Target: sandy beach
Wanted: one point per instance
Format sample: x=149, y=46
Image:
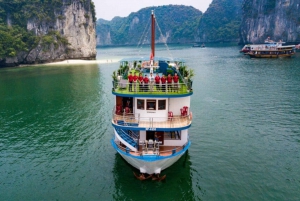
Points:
x=78, y=62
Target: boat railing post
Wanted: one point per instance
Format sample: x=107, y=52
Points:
x=152, y=122
x=173, y=151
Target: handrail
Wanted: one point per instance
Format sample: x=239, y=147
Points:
x=123, y=86
x=134, y=120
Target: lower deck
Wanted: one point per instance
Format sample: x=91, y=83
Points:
x=175, y=121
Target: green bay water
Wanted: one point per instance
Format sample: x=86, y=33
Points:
x=55, y=131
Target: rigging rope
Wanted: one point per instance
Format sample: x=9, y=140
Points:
x=143, y=37
x=164, y=39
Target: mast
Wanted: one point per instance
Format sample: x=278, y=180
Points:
x=152, y=34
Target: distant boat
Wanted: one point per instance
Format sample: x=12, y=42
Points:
x=198, y=45
x=297, y=47
x=269, y=49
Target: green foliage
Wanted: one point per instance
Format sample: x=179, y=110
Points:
x=93, y=10
x=221, y=21
x=181, y=21
x=53, y=37
x=15, y=39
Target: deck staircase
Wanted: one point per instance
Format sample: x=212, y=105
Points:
x=129, y=139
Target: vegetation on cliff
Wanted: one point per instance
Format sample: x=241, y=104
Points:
x=178, y=23
x=221, y=21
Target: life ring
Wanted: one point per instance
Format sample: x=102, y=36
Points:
x=191, y=116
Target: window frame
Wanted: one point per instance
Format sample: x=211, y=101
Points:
x=151, y=101
x=143, y=104
x=165, y=104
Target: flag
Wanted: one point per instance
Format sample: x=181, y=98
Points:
x=151, y=56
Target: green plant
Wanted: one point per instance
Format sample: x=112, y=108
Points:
x=114, y=76
x=191, y=73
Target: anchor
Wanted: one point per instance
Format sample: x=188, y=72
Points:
x=156, y=177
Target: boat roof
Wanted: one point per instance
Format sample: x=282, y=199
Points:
x=155, y=59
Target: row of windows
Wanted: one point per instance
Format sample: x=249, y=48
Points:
x=151, y=104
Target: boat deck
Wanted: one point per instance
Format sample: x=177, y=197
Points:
x=163, y=150
x=131, y=121
x=122, y=87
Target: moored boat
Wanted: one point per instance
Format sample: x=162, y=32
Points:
x=152, y=112
x=271, y=49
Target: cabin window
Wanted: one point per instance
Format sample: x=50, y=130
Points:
x=172, y=135
x=161, y=104
x=140, y=104
x=151, y=104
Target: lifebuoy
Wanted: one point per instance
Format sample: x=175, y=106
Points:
x=191, y=116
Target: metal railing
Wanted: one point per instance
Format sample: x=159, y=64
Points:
x=134, y=120
x=123, y=86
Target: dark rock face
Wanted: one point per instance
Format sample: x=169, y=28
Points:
x=277, y=19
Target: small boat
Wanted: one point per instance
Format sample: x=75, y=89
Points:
x=151, y=118
x=198, y=45
x=297, y=47
x=271, y=49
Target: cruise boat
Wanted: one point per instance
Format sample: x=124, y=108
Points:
x=271, y=49
x=151, y=119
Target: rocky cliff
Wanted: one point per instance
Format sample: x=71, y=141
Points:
x=69, y=33
x=277, y=19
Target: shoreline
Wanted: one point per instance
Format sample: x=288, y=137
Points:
x=79, y=61
x=67, y=62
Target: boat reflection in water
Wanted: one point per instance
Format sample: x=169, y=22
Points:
x=177, y=186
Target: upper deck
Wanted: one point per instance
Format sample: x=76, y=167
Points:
x=162, y=67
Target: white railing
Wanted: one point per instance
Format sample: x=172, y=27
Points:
x=123, y=86
x=151, y=123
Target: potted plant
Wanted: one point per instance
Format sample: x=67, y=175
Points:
x=115, y=79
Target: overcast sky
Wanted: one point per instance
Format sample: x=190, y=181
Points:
x=107, y=9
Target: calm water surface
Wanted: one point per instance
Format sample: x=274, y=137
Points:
x=55, y=131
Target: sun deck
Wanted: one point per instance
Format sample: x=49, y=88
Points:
x=122, y=88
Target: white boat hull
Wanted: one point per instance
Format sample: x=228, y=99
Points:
x=151, y=167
